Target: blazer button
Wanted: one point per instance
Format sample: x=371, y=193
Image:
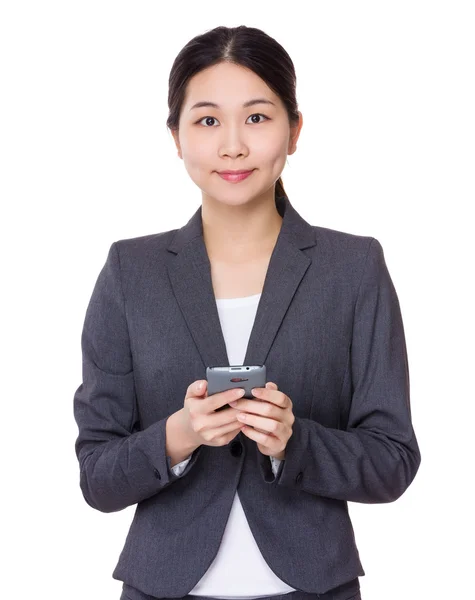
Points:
x=157, y=473
x=236, y=448
x=298, y=479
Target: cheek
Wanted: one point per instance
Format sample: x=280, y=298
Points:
x=198, y=164
x=274, y=160
x=192, y=160
x=271, y=151
x=196, y=157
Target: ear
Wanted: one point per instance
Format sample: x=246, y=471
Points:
x=294, y=134
x=177, y=141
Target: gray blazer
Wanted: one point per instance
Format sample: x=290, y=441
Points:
x=329, y=330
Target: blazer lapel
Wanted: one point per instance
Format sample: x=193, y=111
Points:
x=189, y=271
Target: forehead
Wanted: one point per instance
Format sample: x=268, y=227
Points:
x=229, y=86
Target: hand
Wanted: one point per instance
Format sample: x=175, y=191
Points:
x=201, y=424
x=273, y=414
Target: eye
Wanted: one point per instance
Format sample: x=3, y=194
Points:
x=214, y=119
x=258, y=115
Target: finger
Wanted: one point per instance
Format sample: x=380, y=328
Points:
x=270, y=395
x=269, y=426
x=257, y=407
x=197, y=388
x=261, y=437
x=227, y=428
x=221, y=400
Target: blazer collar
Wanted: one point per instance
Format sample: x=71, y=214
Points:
x=190, y=275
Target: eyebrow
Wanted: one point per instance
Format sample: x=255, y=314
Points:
x=245, y=105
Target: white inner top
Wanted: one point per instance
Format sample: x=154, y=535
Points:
x=239, y=566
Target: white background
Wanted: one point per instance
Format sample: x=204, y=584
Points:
x=387, y=150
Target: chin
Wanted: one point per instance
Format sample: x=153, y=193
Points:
x=231, y=198
x=228, y=200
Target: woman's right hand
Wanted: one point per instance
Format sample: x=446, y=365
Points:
x=201, y=423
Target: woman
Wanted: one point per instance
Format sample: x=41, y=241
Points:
x=250, y=501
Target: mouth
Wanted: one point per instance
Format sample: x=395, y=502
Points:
x=234, y=176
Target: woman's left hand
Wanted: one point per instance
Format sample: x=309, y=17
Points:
x=269, y=420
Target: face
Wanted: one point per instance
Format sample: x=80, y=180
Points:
x=233, y=136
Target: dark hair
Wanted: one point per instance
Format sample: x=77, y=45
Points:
x=245, y=46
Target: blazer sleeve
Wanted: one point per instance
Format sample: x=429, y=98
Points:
x=179, y=468
x=376, y=457
x=119, y=463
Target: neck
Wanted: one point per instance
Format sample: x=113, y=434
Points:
x=238, y=233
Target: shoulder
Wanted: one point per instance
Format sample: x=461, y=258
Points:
x=349, y=256
x=152, y=240
x=144, y=245
x=344, y=244
x=136, y=258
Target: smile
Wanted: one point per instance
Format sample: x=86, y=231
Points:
x=234, y=178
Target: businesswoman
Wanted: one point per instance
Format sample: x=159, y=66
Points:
x=249, y=501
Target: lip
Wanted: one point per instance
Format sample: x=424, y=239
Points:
x=234, y=176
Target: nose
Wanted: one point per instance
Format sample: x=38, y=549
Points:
x=232, y=142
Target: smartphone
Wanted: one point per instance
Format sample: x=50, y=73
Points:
x=221, y=379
